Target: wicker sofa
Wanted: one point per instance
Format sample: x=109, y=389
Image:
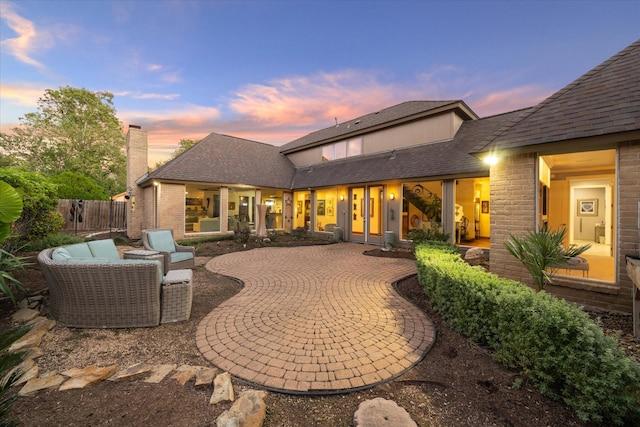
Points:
x=90, y=286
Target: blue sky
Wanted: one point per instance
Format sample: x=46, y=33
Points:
x=273, y=71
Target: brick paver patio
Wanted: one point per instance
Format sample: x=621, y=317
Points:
x=317, y=319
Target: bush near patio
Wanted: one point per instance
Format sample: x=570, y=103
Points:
x=557, y=346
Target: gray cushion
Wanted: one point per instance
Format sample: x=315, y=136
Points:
x=104, y=249
x=181, y=256
x=60, y=254
x=161, y=241
x=79, y=250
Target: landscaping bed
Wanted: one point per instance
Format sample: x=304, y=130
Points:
x=458, y=383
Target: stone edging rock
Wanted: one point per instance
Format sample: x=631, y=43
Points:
x=248, y=410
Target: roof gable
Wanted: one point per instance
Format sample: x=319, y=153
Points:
x=605, y=100
x=404, y=112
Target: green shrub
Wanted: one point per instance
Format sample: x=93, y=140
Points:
x=299, y=233
x=52, y=240
x=195, y=241
x=120, y=241
x=559, y=348
x=39, y=217
x=74, y=185
x=242, y=232
x=432, y=233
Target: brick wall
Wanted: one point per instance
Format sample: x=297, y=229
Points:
x=628, y=215
x=512, y=209
x=136, y=167
x=171, y=208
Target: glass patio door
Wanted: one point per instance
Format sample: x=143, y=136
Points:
x=358, y=215
x=375, y=220
x=366, y=214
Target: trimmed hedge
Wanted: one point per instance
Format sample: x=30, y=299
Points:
x=559, y=348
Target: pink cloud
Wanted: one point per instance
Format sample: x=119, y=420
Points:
x=508, y=100
x=313, y=101
x=165, y=129
x=26, y=40
x=25, y=94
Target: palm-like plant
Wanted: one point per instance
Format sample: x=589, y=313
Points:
x=542, y=253
x=9, y=372
x=10, y=210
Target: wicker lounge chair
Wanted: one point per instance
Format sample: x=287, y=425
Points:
x=175, y=256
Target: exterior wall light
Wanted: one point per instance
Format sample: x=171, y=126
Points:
x=491, y=159
x=392, y=196
x=342, y=197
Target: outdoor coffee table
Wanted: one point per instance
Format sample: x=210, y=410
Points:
x=144, y=254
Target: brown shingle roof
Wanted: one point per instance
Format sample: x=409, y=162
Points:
x=402, y=112
x=439, y=160
x=605, y=100
x=229, y=160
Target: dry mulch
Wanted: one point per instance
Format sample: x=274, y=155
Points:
x=457, y=383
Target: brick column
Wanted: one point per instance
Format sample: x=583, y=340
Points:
x=628, y=238
x=512, y=210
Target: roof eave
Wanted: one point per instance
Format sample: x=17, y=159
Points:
x=590, y=143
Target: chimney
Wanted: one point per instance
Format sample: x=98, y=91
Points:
x=137, y=161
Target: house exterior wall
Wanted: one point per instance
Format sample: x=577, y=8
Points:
x=170, y=202
x=432, y=129
x=512, y=210
x=628, y=212
x=307, y=157
x=148, y=212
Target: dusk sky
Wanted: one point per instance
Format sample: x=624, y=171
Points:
x=273, y=71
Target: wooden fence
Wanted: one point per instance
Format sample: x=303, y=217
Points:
x=93, y=215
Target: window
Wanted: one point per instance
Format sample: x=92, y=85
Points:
x=421, y=205
x=327, y=153
x=577, y=193
x=340, y=150
x=354, y=147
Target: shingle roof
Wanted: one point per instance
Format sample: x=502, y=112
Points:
x=444, y=159
x=605, y=100
x=229, y=160
x=404, y=112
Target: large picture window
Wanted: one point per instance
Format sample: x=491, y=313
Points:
x=421, y=205
x=340, y=150
x=580, y=188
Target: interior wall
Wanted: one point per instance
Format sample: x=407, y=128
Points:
x=584, y=225
x=564, y=195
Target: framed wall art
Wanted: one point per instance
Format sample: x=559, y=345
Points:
x=588, y=207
